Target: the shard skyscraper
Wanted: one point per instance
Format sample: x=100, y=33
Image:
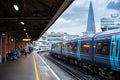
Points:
x=90, y=22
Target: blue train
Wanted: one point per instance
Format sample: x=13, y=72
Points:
x=99, y=52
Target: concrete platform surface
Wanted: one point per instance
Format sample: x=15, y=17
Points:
x=24, y=69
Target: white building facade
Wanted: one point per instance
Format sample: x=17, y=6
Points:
x=43, y=43
x=110, y=23
x=60, y=36
x=46, y=40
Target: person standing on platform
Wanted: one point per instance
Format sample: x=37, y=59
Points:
x=26, y=51
x=30, y=49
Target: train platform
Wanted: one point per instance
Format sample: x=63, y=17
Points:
x=30, y=67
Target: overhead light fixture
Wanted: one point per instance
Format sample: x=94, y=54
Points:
x=22, y=23
x=16, y=7
x=25, y=39
x=24, y=29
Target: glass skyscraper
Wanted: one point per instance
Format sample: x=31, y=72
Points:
x=90, y=22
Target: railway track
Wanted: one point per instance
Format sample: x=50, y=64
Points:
x=74, y=71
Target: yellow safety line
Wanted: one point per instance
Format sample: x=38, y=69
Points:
x=35, y=68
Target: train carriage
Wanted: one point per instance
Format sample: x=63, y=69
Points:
x=72, y=50
x=107, y=50
x=56, y=49
x=86, y=49
x=102, y=50
x=99, y=52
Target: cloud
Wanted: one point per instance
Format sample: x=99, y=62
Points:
x=74, y=19
x=114, y=5
x=70, y=26
x=76, y=10
x=74, y=13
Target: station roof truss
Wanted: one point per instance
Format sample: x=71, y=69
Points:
x=35, y=16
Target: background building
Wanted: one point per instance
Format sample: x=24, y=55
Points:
x=110, y=23
x=56, y=37
x=45, y=42
x=60, y=36
x=90, y=22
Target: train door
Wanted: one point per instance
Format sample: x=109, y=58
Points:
x=117, y=57
x=64, y=44
x=78, y=49
x=114, y=52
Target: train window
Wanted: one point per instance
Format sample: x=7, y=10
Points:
x=58, y=46
x=85, y=47
x=55, y=46
x=98, y=48
x=69, y=48
x=102, y=48
x=72, y=47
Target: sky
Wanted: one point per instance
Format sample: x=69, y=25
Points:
x=74, y=19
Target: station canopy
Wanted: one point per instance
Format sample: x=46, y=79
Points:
x=29, y=18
